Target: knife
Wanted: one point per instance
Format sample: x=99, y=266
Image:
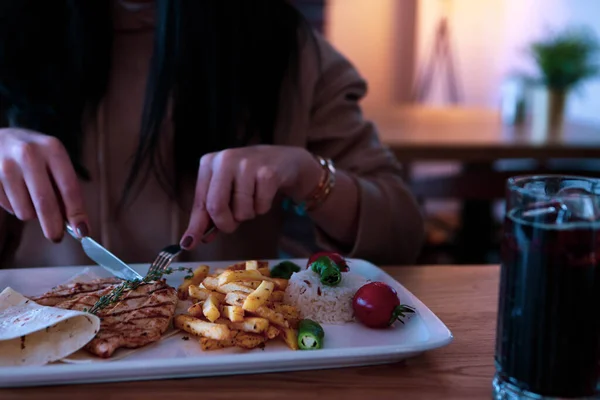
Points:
x=104, y=258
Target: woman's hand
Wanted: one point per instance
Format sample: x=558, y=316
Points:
x=236, y=185
x=37, y=180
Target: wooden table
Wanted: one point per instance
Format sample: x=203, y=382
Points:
x=419, y=133
x=465, y=298
x=476, y=138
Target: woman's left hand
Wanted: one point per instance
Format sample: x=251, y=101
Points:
x=236, y=185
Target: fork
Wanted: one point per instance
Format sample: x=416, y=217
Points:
x=166, y=255
x=164, y=259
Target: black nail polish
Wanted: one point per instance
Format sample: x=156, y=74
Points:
x=187, y=242
x=82, y=229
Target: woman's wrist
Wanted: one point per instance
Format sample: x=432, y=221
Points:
x=308, y=177
x=315, y=182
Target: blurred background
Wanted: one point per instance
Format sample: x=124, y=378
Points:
x=469, y=92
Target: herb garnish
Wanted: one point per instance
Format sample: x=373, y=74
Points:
x=115, y=295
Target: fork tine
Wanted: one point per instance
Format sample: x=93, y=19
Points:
x=164, y=258
x=155, y=264
x=165, y=261
x=158, y=262
x=170, y=252
x=161, y=261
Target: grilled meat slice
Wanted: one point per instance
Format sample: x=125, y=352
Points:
x=74, y=291
x=139, y=318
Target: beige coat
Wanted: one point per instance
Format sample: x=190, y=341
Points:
x=324, y=117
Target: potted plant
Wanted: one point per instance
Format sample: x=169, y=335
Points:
x=564, y=60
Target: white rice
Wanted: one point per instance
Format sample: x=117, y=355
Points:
x=321, y=303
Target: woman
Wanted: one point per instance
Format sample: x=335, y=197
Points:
x=143, y=122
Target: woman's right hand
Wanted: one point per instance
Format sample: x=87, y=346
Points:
x=37, y=180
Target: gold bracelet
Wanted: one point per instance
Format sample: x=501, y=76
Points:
x=323, y=189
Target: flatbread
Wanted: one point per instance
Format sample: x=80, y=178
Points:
x=31, y=334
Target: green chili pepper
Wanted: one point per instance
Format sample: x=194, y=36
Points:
x=284, y=270
x=310, y=335
x=329, y=272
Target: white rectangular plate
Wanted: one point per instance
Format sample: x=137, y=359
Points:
x=346, y=345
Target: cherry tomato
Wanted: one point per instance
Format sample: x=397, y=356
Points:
x=338, y=260
x=377, y=305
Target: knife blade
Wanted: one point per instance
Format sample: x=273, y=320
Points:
x=104, y=258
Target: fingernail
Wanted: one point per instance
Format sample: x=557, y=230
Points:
x=187, y=242
x=82, y=229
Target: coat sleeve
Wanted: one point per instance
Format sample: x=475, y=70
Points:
x=390, y=223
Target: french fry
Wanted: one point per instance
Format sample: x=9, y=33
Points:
x=195, y=310
x=280, y=283
x=207, y=344
x=258, y=297
x=234, y=287
x=250, y=324
x=202, y=293
x=242, y=265
x=198, y=327
x=233, y=313
x=239, y=306
x=273, y=316
x=252, y=265
x=249, y=275
x=237, y=299
x=211, y=282
x=248, y=341
x=237, y=266
x=197, y=277
x=288, y=311
x=290, y=337
x=237, y=276
x=272, y=332
x=249, y=284
x=277, y=296
x=196, y=292
x=210, y=308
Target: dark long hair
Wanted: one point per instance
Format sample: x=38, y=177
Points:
x=222, y=62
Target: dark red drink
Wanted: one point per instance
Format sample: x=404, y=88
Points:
x=548, y=333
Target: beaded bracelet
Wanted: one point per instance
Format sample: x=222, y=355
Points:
x=321, y=192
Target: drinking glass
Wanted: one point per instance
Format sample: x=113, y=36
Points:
x=548, y=327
